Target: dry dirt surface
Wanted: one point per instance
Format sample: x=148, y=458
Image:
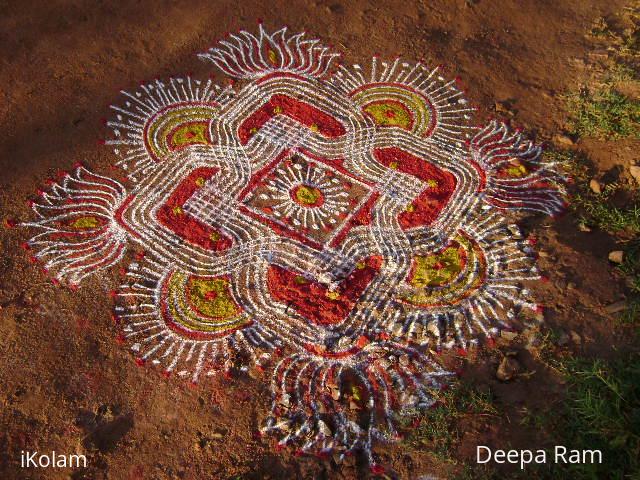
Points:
x=66, y=384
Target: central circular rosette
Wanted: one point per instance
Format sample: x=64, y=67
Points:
x=307, y=199
x=307, y=196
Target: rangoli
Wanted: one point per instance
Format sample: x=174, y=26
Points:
x=331, y=225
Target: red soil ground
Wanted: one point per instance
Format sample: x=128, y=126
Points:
x=65, y=383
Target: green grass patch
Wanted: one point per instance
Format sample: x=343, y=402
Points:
x=625, y=40
x=436, y=429
x=632, y=313
x=631, y=264
x=631, y=269
x=597, y=210
x=603, y=110
x=603, y=412
x=601, y=29
x=619, y=73
x=604, y=113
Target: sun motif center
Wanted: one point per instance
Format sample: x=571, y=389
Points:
x=307, y=196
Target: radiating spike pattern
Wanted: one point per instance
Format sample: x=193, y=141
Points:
x=160, y=118
x=247, y=56
x=190, y=325
x=335, y=229
x=516, y=176
x=328, y=404
x=411, y=97
x=78, y=231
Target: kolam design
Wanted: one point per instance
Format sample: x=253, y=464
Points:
x=331, y=225
x=396, y=105
x=178, y=126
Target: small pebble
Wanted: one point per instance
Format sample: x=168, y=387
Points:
x=616, y=307
x=508, y=368
x=575, y=337
x=562, y=340
x=507, y=335
x=563, y=140
x=617, y=256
